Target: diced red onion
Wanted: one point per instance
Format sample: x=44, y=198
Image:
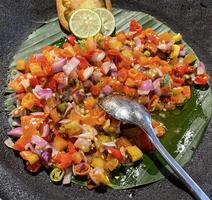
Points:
x=156, y=85
x=16, y=132
x=39, y=56
x=145, y=87
x=106, y=67
x=200, y=68
x=64, y=121
x=88, y=72
x=181, y=59
x=114, y=74
x=126, y=47
x=123, y=151
x=58, y=65
x=182, y=52
x=69, y=107
x=96, y=75
x=79, y=96
x=165, y=46
x=113, y=67
x=160, y=73
x=107, y=89
x=71, y=65
x=9, y=143
x=98, y=56
x=46, y=155
x=39, y=141
x=109, y=144
x=192, y=77
x=61, y=86
x=67, y=176
x=45, y=130
x=16, y=122
x=29, y=146
x=41, y=93
x=95, y=173
x=38, y=113
x=138, y=43
x=83, y=144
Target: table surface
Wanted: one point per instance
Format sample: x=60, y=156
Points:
x=192, y=18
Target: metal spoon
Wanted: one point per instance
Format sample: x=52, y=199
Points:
x=129, y=111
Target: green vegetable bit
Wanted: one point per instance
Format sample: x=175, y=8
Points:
x=165, y=80
x=57, y=175
x=62, y=107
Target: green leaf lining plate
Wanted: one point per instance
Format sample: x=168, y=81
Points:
x=186, y=124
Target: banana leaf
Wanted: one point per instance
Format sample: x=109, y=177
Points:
x=185, y=125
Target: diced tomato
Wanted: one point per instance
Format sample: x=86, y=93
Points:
x=60, y=77
x=180, y=71
x=80, y=74
x=178, y=80
x=72, y=40
x=16, y=84
x=34, y=168
x=63, y=160
x=202, y=79
x=187, y=91
x=95, y=90
x=52, y=84
x=145, y=142
x=135, y=26
x=129, y=91
x=71, y=148
x=121, y=36
x=83, y=62
x=106, y=43
x=122, y=75
x=45, y=66
x=33, y=81
x=116, y=153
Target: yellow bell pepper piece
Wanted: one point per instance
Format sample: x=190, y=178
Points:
x=76, y=157
x=59, y=143
x=104, y=138
x=175, y=51
x=36, y=69
x=48, y=57
x=135, y=153
x=29, y=156
x=115, y=44
x=190, y=58
x=20, y=64
x=97, y=162
x=177, y=38
x=127, y=54
x=28, y=101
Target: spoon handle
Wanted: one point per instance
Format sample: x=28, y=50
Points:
x=181, y=173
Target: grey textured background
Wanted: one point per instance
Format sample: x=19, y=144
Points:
x=193, y=18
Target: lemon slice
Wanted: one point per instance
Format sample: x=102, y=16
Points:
x=84, y=23
x=107, y=19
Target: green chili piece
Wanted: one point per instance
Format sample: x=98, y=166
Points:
x=57, y=175
x=62, y=107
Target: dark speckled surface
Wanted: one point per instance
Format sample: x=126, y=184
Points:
x=193, y=18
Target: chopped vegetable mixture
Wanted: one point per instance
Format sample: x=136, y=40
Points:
x=59, y=124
